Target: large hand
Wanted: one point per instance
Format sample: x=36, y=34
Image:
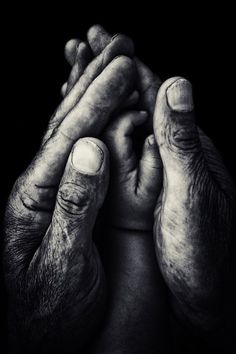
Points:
x=98, y=38
x=53, y=273
x=195, y=271
x=195, y=214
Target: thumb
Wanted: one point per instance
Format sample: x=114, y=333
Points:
x=175, y=129
x=81, y=193
x=150, y=170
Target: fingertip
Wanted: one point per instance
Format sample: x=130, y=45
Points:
x=179, y=96
x=163, y=88
x=174, y=98
x=150, y=168
x=84, y=51
x=102, y=146
x=70, y=50
x=174, y=123
x=150, y=146
x=98, y=38
x=94, y=30
x=150, y=140
x=64, y=89
x=90, y=156
x=176, y=94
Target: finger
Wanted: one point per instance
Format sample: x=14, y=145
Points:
x=102, y=97
x=175, y=130
x=150, y=169
x=83, y=57
x=53, y=249
x=64, y=89
x=70, y=50
x=148, y=83
x=98, y=38
x=65, y=269
x=118, y=137
x=34, y=193
x=121, y=45
x=81, y=194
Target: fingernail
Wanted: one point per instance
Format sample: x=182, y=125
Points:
x=87, y=157
x=81, y=46
x=179, y=96
x=151, y=140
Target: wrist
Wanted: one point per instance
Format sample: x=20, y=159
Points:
x=131, y=224
x=128, y=230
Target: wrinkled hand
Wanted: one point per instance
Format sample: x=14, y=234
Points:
x=53, y=272
x=195, y=214
x=147, y=85
x=132, y=195
x=194, y=218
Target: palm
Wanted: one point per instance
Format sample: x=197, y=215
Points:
x=193, y=228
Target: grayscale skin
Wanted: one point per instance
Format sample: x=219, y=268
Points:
x=195, y=210
x=54, y=277
x=194, y=216
x=137, y=314
x=128, y=249
x=147, y=83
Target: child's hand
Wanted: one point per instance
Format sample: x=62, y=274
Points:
x=135, y=184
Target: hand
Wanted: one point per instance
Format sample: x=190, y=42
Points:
x=98, y=38
x=195, y=214
x=132, y=192
x=128, y=249
x=53, y=272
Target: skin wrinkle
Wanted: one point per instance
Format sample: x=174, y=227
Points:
x=185, y=236
x=49, y=259
x=187, y=248
x=71, y=207
x=97, y=88
x=60, y=267
x=145, y=75
x=30, y=204
x=91, y=72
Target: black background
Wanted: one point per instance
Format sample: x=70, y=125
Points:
x=192, y=42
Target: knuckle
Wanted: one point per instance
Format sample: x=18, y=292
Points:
x=29, y=201
x=74, y=199
x=183, y=139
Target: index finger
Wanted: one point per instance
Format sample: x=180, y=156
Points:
x=148, y=83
